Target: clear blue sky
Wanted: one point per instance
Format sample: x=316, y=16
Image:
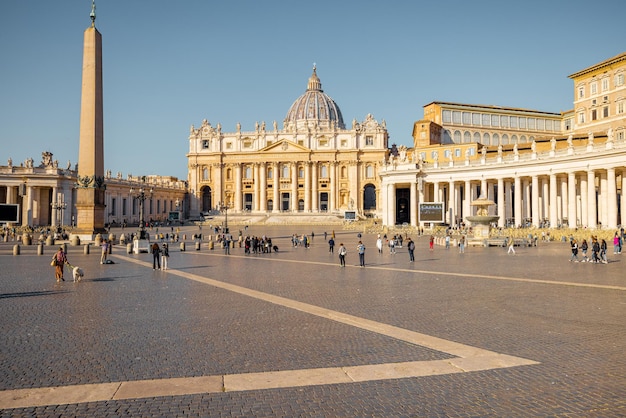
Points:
x=170, y=64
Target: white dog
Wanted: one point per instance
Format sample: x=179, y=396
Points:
x=77, y=274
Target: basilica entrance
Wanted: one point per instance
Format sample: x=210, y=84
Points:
x=403, y=208
x=284, y=202
x=207, y=203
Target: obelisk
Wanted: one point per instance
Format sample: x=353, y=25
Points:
x=90, y=187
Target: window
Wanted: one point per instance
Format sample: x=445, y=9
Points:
x=486, y=120
x=446, y=153
x=323, y=142
x=505, y=139
x=476, y=137
x=285, y=172
x=619, y=79
x=300, y=172
x=541, y=124
x=594, y=88
x=344, y=172
x=247, y=172
x=522, y=123
x=247, y=144
x=513, y=139
x=457, y=137
x=486, y=139
x=548, y=125
x=456, y=118
x=229, y=174
x=504, y=121
x=369, y=172
x=229, y=145
x=113, y=206
x=476, y=118
x=620, y=107
x=124, y=204
x=457, y=152
x=205, y=173
x=594, y=114
x=581, y=117
x=205, y=144
x=369, y=140
x=581, y=92
x=447, y=116
x=568, y=124
x=467, y=137
x=513, y=121
x=495, y=120
x=605, y=84
x=495, y=139
x=531, y=123
x=467, y=118
x=605, y=112
x=434, y=155
x=324, y=172
x=270, y=173
x=344, y=143
x=423, y=156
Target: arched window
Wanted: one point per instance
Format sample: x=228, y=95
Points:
x=476, y=137
x=457, y=137
x=514, y=139
x=467, y=137
x=523, y=139
x=495, y=139
x=505, y=139
x=205, y=173
x=486, y=139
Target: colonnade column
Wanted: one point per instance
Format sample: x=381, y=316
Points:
x=315, y=207
x=584, y=212
x=518, y=201
x=467, y=198
x=263, y=187
x=500, y=202
x=391, y=204
x=611, y=198
x=53, y=220
x=553, y=194
x=451, y=205
x=603, y=214
x=592, y=217
x=413, y=205
x=307, y=186
x=535, y=201
x=294, y=188
x=571, y=200
x=276, y=189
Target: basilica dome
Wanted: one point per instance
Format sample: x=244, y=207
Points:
x=314, y=107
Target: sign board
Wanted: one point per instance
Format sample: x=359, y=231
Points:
x=174, y=216
x=349, y=215
x=431, y=212
x=9, y=212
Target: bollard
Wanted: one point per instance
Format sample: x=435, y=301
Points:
x=129, y=248
x=98, y=240
x=197, y=245
x=211, y=245
x=184, y=237
x=65, y=247
x=40, y=248
x=86, y=249
x=182, y=246
x=16, y=249
x=75, y=240
x=50, y=240
x=110, y=248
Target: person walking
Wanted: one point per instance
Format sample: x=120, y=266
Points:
x=411, y=248
x=331, y=245
x=392, y=245
x=511, y=244
x=603, y=248
x=165, y=255
x=431, y=243
x=156, y=261
x=342, y=255
x=574, y=246
x=447, y=241
x=379, y=245
x=361, y=249
x=462, y=244
x=58, y=261
x=616, y=243
x=584, y=247
x=595, y=250
x=105, y=251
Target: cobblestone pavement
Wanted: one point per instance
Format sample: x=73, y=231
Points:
x=476, y=334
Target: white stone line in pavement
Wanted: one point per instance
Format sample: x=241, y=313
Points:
x=468, y=359
x=432, y=272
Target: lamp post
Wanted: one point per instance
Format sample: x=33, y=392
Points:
x=140, y=195
x=59, y=207
x=223, y=207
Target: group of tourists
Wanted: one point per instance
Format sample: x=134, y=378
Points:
x=257, y=245
x=598, y=249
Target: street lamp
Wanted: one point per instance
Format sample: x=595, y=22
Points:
x=140, y=195
x=59, y=206
x=223, y=207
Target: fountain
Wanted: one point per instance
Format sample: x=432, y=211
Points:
x=481, y=222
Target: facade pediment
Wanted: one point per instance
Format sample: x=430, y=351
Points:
x=284, y=146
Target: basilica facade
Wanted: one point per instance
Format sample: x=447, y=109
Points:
x=540, y=169
x=314, y=164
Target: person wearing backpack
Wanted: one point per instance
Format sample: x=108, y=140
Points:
x=342, y=255
x=411, y=247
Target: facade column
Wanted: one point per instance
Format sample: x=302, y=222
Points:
x=276, y=189
x=562, y=201
x=28, y=219
x=611, y=199
x=545, y=198
x=355, y=188
x=527, y=201
x=413, y=203
x=553, y=198
x=257, y=187
x=501, y=209
x=535, y=201
x=218, y=192
x=238, y=205
x=263, y=187
x=307, y=186
x=315, y=206
x=436, y=197
x=483, y=189
x=592, y=209
x=571, y=200
x=518, y=201
x=333, y=186
x=294, y=187
x=391, y=204
x=603, y=215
